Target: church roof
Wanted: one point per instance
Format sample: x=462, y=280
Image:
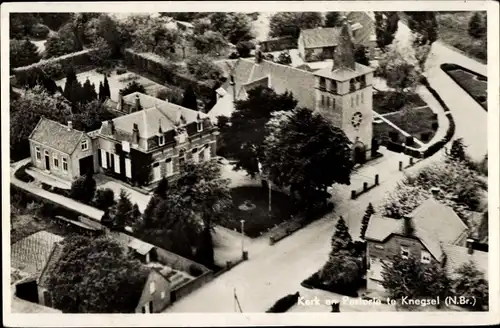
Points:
x=343, y=73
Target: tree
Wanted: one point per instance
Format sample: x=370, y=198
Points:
x=477, y=26
x=247, y=131
x=91, y=115
x=209, y=42
x=189, y=98
x=400, y=67
x=284, y=58
x=123, y=213
x=366, y=219
x=340, y=270
x=104, y=199
x=25, y=113
x=244, y=48
x=386, y=26
x=457, y=151
x=290, y=23
x=162, y=188
x=70, y=80
x=130, y=88
x=23, y=53
x=305, y=152
x=360, y=55
x=235, y=27
x=83, y=189
x=472, y=284
x=107, y=91
x=341, y=239
x=20, y=24
x=101, y=92
x=424, y=24
x=332, y=19
x=409, y=277
x=95, y=275
x=203, y=68
x=55, y=20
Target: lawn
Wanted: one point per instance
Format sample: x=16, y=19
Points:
x=473, y=84
x=453, y=30
x=390, y=101
x=116, y=82
x=417, y=122
x=258, y=221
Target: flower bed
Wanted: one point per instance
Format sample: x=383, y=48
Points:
x=476, y=85
x=284, y=304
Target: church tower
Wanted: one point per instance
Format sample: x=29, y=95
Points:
x=344, y=95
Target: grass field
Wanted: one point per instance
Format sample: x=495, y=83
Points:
x=258, y=219
x=472, y=84
x=453, y=30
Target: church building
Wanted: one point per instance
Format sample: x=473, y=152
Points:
x=342, y=93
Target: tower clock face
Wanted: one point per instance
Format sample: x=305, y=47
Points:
x=356, y=120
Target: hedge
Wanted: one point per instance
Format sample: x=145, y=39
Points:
x=315, y=282
x=55, y=68
x=165, y=72
x=284, y=303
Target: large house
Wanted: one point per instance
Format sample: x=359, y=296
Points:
x=153, y=138
x=432, y=233
x=342, y=92
x=320, y=43
x=61, y=150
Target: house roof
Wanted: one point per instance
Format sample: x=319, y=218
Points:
x=458, y=255
x=30, y=254
x=342, y=73
x=156, y=113
x=128, y=241
x=435, y=224
x=282, y=78
x=365, y=32
x=21, y=306
x=320, y=37
x=56, y=135
x=55, y=256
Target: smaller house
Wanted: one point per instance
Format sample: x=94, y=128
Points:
x=319, y=43
x=432, y=232
x=61, y=150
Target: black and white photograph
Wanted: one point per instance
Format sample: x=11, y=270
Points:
x=309, y=158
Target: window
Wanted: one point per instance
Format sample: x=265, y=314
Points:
x=182, y=159
x=85, y=145
x=379, y=246
x=352, y=101
x=322, y=100
x=152, y=287
x=117, y=163
x=199, y=126
x=65, y=164
x=333, y=103
x=104, y=156
x=170, y=169
x=126, y=146
x=201, y=154
x=161, y=140
x=333, y=86
x=322, y=83
x=38, y=154
x=56, y=160
x=405, y=252
x=128, y=168
x=195, y=155
x=162, y=294
x=425, y=257
x=327, y=101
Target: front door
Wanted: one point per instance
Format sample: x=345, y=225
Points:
x=156, y=171
x=47, y=161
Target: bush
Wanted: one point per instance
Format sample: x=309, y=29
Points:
x=22, y=175
x=104, y=199
x=40, y=31
x=244, y=48
x=284, y=304
x=195, y=271
x=46, y=186
x=121, y=70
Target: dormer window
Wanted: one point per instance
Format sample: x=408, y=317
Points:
x=405, y=252
x=333, y=86
x=161, y=140
x=425, y=257
x=322, y=83
x=85, y=145
x=199, y=126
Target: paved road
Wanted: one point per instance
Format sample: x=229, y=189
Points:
x=469, y=116
x=273, y=272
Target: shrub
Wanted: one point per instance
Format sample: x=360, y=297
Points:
x=104, y=199
x=83, y=189
x=129, y=78
x=40, y=31
x=46, y=186
x=244, y=48
x=121, y=70
x=22, y=175
x=195, y=271
x=284, y=304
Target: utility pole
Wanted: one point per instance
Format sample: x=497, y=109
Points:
x=242, y=236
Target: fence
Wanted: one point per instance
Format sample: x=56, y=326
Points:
x=190, y=286
x=355, y=193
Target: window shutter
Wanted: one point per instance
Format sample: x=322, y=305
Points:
x=104, y=158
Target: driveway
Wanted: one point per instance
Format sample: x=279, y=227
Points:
x=273, y=272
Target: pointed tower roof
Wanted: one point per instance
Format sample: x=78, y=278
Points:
x=344, y=52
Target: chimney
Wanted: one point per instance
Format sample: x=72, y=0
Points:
x=469, y=244
x=119, y=106
x=408, y=225
x=435, y=192
x=258, y=55
x=111, y=127
x=137, y=103
x=105, y=127
x=135, y=134
x=70, y=125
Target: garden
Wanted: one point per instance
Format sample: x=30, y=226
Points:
x=474, y=84
x=252, y=205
